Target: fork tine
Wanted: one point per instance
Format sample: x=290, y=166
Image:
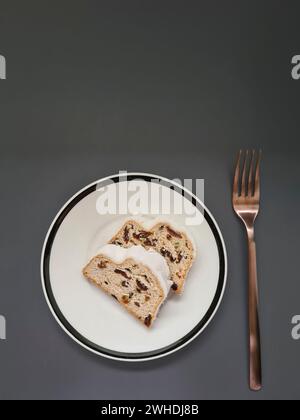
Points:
x=237, y=175
x=257, y=183
x=251, y=171
x=243, y=191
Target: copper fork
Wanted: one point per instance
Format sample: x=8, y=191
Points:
x=245, y=199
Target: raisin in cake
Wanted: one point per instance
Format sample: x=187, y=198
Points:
x=175, y=246
x=135, y=277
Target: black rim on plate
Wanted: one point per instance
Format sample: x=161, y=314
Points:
x=93, y=346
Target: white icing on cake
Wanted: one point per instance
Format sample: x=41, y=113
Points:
x=152, y=259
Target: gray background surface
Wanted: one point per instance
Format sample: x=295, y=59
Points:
x=167, y=87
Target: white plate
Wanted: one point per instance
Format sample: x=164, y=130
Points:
x=95, y=320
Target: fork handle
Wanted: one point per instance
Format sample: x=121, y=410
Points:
x=254, y=330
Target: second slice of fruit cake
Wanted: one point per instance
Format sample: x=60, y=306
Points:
x=174, y=245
